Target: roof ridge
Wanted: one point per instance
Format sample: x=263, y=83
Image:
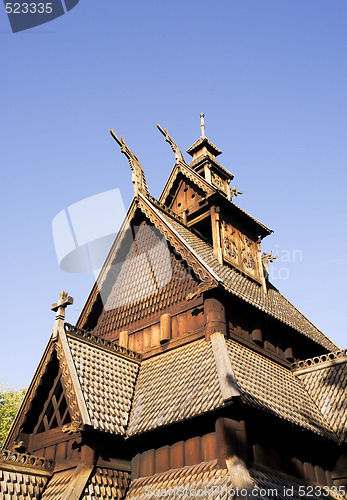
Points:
x=92, y=338
x=163, y=207
x=302, y=314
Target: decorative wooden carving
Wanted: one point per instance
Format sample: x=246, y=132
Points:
x=240, y=250
x=68, y=386
x=204, y=286
x=266, y=258
x=64, y=301
x=55, y=412
x=217, y=181
x=178, y=154
x=138, y=178
x=234, y=192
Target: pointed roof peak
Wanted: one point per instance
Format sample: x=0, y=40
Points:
x=203, y=145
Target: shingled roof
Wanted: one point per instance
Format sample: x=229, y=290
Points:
x=216, y=483
x=273, y=388
x=106, y=376
x=325, y=379
x=172, y=387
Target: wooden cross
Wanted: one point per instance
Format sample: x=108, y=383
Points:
x=64, y=301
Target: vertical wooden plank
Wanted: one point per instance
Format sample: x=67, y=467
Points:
x=72, y=450
x=162, y=459
x=135, y=466
x=174, y=327
x=155, y=329
x=298, y=467
x=177, y=455
x=329, y=481
x=61, y=451
x=147, y=338
x=138, y=341
x=87, y=455
x=50, y=452
x=147, y=463
x=181, y=324
x=192, y=451
x=320, y=475
x=259, y=454
x=208, y=447
x=309, y=472
x=131, y=342
x=231, y=439
x=124, y=338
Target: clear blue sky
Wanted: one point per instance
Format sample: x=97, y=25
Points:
x=270, y=76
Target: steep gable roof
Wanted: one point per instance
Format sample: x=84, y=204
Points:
x=106, y=375
x=93, y=399
x=200, y=257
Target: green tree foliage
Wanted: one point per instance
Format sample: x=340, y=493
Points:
x=10, y=400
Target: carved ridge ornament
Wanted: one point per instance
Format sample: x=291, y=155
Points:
x=175, y=242
x=204, y=286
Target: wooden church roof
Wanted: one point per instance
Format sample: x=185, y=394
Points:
x=124, y=395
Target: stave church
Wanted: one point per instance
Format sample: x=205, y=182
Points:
x=188, y=374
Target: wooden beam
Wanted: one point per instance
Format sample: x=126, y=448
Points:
x=226, y=376
x=216, y=237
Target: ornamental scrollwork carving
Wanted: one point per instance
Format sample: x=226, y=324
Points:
x=68, y=386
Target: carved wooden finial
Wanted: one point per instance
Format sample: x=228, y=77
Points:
x=202, y=124
x=138, y=176
x=234, y=192
x=266, y=258
x=174, y=147
x=64, y=301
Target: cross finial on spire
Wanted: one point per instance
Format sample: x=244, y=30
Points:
x=64, y=301
x=202, y=116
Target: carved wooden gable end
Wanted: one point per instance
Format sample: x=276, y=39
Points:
x=187, y=196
